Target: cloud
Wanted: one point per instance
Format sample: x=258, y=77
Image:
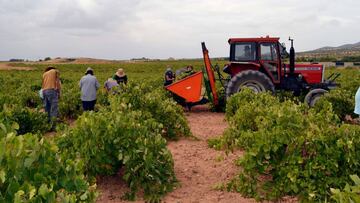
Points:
x=160, y=28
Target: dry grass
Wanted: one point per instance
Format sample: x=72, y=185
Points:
x=10, y=66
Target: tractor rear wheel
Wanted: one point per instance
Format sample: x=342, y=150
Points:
x=254, y=80
x=313, y=96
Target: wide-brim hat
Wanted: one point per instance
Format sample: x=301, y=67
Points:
x=120, y=72
x=89, y=69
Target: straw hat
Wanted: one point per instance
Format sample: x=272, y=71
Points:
x=120, y=72
x=89, y=69
x=168, y=68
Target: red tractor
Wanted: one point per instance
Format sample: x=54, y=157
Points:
x=258, y=64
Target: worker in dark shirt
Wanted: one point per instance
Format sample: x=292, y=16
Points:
x=120, y=76
x=169, y=76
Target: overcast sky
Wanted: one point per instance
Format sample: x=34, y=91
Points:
x=123, y=29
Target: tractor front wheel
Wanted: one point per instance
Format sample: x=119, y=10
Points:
x=313, y=96
x=254, y=80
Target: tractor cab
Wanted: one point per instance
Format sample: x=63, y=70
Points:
x=252, y=54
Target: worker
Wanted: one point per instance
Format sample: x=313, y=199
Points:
x=247, y=53
x=109, y=84
x=185, y=72
x=189, y=70
x=120, y=76
x=169, y=76
x=357, y=102
x=88, y=85
x=51, y=89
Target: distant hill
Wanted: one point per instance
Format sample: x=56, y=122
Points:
x=81, y=60
x=345, y=50
x=344, y=47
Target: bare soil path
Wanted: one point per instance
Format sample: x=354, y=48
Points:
x=197, y=167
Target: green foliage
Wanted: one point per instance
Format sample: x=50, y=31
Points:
x=349, y=194
x=28, y=120
x=154, y=100
x=288, y=95
x=23, y=95
x=130, y=132
x=316, y=59
x=127, y=130
x=32, y=170
x=290, y=149
x=328, y=58
x=343, y=102
x=69, y=102
x=28, y=97
x=107, y=140
x=221, y=98
x=7, y=127
x=343, y=97
x=351, y=58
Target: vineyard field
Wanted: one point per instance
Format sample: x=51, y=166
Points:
x=280, y=147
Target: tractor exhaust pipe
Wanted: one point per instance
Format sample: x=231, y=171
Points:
x=292, y=57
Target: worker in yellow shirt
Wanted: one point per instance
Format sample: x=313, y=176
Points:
x=51, y=87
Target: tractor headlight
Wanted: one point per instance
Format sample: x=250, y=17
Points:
x=226, y=69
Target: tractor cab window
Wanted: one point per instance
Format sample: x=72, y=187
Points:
x=243, y=52
x=269, y=56
x=268, y=52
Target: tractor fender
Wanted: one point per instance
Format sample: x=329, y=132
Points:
x=313, y=95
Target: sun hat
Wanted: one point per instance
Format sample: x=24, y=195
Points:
x=120, y=72
x=89, y=69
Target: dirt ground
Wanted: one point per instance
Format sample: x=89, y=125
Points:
x=8, y=66
x=198, y=168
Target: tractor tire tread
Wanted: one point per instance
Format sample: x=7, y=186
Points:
x=246, y=74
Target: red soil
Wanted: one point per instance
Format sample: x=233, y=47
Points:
x=198, y=168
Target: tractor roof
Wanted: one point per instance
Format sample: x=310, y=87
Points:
x=257, y=39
